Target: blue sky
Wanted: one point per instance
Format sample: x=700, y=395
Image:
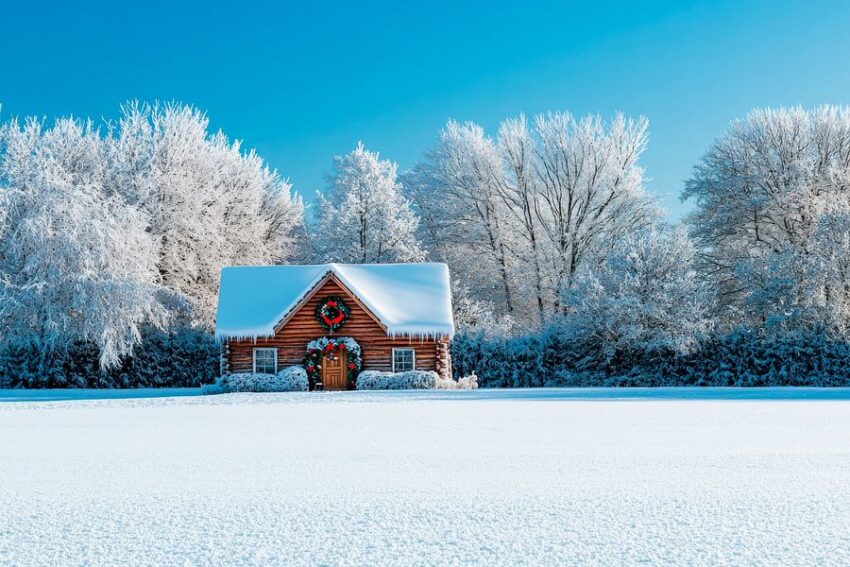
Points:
x=301, y=83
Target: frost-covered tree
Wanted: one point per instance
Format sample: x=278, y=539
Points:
x=590, y=186
x=521, y=195
x=209, y=203
x=363, y=217
x=456, y=191
x=772, y=201
x=516, y=218
x=77, y=262
x=477, y=317
x=644, y=297
x=103, y=232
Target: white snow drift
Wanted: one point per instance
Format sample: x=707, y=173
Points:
x=424, y=478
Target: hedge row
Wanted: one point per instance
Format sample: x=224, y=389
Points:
x=183, y=357
x=739, y=358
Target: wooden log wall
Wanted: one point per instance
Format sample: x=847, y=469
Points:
x=376, y=347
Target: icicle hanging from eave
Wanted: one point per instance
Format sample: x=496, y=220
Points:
x=422, y=335
x=221, y=336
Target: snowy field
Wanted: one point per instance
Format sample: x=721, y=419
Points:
x=513, y=477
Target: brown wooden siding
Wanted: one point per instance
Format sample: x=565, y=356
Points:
x=291, y=340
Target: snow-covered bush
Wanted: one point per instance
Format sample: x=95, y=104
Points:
x=290, y=379
x=412, y=380
x=466, y=383
x=644, y=297
x=514, y=362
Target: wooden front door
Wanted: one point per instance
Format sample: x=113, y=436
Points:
x=334, y=372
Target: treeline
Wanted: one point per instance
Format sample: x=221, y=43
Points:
x=565, y=271
x=753, y=289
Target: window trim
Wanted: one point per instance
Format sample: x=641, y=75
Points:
x=254, y=358
x=413, y=357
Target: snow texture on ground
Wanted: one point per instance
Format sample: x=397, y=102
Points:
x=485, y=477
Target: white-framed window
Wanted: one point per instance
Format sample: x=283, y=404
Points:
x=404, y=359
x=265, y=361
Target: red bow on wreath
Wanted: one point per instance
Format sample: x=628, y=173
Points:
x=338, y=319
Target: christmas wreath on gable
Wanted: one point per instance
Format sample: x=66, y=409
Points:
x=332, y=313
x=332, y=347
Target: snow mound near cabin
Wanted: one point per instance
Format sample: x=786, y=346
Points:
x=412, y=380
x=291, y=379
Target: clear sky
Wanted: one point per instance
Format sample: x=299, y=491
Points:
x=301, y=83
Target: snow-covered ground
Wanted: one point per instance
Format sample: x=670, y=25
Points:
x=489, y=477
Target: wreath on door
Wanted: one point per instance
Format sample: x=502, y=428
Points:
x=331, y=347
x=332, y=313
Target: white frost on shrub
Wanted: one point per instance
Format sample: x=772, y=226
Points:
x=412, y=380
x=466, y=383
x=291, y=379
x=294, y=377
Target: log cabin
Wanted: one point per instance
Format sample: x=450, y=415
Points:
x=335, y=319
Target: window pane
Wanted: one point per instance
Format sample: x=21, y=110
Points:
x=403, y=359
x=264, y=361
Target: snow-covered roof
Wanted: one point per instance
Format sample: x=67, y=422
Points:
x=408, y=299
